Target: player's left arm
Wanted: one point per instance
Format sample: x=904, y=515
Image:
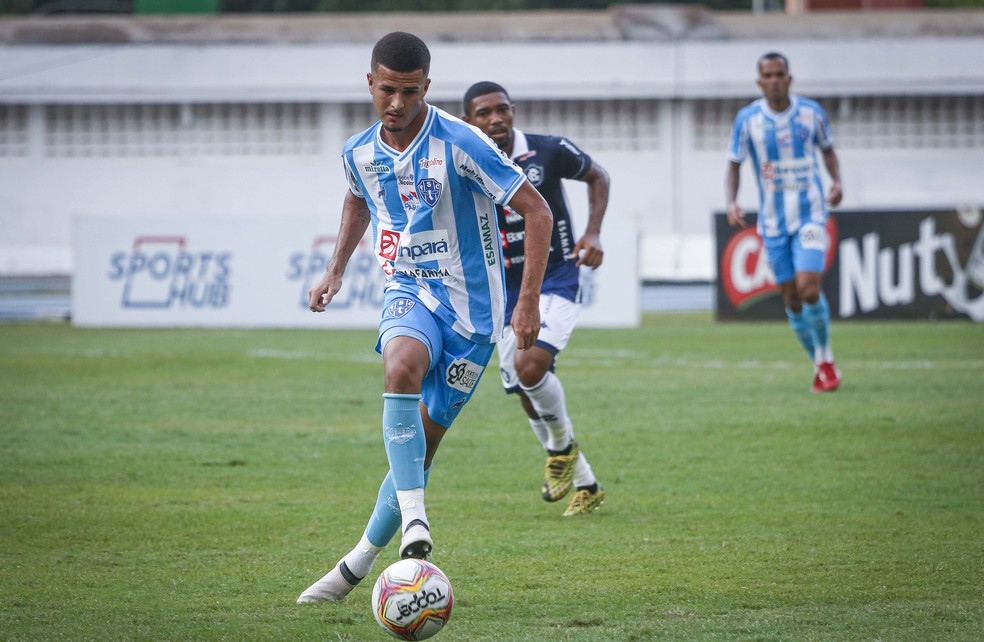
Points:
x=588, y=250
x=824, y=139
x=832, y=163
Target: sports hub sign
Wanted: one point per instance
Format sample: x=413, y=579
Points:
x=137, y=272
x=880, y=265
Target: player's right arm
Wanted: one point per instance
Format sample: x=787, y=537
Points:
x=736, y=215
x=355, y=221
x=538, y=221
x=737, y=152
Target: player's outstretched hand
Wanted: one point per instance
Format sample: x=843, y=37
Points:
x=323, y=292
x=588, y=251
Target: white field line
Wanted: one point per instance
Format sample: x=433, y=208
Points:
x=270, y=353
x=589, y=358
x=619, y=358
x=255, y=353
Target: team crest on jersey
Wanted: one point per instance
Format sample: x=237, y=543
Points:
x=429, y=190
x=400, y=307
x=535, y=174
x=463, y=374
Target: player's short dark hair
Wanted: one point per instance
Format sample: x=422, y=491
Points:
x=480, y=89
x=401, y=51
x=772, y=55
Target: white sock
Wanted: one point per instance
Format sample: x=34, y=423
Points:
x=583, y=474
x=826, y=354
x=411, y=506
x=539, y=427
x=361, y=558
x=547, y=398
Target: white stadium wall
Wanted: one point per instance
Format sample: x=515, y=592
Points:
x=254, y=130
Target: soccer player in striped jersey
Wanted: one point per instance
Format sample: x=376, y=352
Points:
x=546, y=160
x=428, y=184
x=780, y=132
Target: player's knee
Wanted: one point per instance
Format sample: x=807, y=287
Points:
x=809, y=292
x=403, y=377
x=792, y=302
x=531, y=374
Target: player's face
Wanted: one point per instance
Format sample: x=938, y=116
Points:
x=397, y=96
x=774, y=80
x=493, y=114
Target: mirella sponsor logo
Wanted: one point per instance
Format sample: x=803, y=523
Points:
x=376, y=167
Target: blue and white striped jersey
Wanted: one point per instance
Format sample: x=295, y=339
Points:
x=433, y=218
x=783, y=151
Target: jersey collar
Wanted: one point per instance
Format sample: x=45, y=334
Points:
x=780, y=115
x=414, y=144
x=520, y=145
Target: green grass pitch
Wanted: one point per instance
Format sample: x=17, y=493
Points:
x=189, y=484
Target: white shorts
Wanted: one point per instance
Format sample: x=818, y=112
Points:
x=558, y=316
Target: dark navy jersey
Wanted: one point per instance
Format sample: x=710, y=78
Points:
x=545, y=160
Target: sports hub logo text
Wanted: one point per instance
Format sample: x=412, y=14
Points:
x=362, y=286
x=161, y=272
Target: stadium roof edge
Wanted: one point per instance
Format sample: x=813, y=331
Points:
x=638, y=23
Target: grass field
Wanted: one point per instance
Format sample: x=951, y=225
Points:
x=188, y=484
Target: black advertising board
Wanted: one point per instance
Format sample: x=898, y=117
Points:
x=881, y=264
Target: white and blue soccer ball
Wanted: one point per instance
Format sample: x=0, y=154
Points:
x=412, y=599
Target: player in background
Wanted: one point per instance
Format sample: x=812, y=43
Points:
x=780, y=132
x=530, y=373
x=428, y=184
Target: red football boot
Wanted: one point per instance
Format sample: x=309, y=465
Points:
x=827, y=378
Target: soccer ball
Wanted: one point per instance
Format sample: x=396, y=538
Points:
x=412, y=599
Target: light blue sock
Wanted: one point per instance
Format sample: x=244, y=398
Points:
x=802, y=330
x=817, y=318
x=386, y=518
x=406, y=443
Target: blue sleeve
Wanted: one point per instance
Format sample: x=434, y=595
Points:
x=490, y=170
x=824, y=136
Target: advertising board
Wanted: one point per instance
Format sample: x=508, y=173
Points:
x=884, y=264
x=138, y=272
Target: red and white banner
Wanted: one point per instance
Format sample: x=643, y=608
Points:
x=879, y=265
